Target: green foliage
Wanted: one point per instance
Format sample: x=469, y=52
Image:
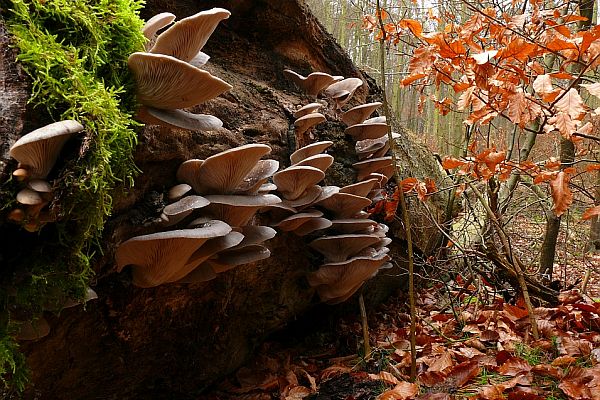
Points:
x=533, y=355
x=75, y=52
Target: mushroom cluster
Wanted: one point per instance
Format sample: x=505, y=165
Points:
x=37, y=153
x=168, y=76
x=221, y=194
x=354, y=248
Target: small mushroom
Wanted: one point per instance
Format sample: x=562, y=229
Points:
x=229, y=259
x=176, y=212
x=294, y=221
x=254, y=180
x=37, y=151
x=361, y=188
x=179, y=119
x=166, y=82
x=186, y=38
x=364, y=168
x=309, y=196
x=310, y=150
x=312, y=225
x=344, y=205
x=307, y=109
x=343, y=90
x=188, y=170
x=293, y=181
x=358, y=114
x=311, y=84
x=353, y=225
x=303, y=124
x=33, y=330
x=178, y=191
x=319, y=161
x=367, y=131
x=29, y=197
x=21, y=174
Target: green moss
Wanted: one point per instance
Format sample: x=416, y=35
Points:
x=75, y=52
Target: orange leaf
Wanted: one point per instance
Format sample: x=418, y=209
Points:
x=414, y=26
x=543, y=84
x=402, y=391
x=451, y=163
x=561, y=193
x=571, y=103
x=407, y=81
x=591, y=212
x=593, y=167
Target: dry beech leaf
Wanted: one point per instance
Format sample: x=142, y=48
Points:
x=514, y=366
x=298, y=393
x=402, y=391
x=442, y=362
x=563, y=361
x=492, y=392
x=489, y=336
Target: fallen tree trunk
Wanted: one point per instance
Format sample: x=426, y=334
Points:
x=173, y=340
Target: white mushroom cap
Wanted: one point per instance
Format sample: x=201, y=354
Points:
x=341, y=247
x=179, y=119
x=154, y=24
x=238, y=210
x=319, y=161
x=40, y=185
x=168, y=83
x=310, y=150
x=186, y=38
x=307, y=109
x=376, y=120
x=364, y=168
x=178, y=191
x=37, y=151
x=367, y=131
x=307, y=121
x=222, y=173
x=228, y=259
x=381, y=179
x=162, y=257
x=176, y=212
x=293, y=181
x=29, y=197
x=255, y=179
x=361, y=188
x=311, y=84
x=344, y=205
x=255, y=234
x=358, y=114
x=309, y=196
x=343, y=90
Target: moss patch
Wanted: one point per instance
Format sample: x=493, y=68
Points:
x=75, y=52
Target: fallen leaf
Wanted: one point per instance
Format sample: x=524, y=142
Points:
x=401, y=391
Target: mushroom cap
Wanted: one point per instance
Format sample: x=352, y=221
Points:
x=254, y=180
x=307, y=109
x=361, y=188
x=337, y=279
x=293, y=181
x=178, y=191
x=327, y=192
x=376, y=120
x=358, y=114
x=161, y=257
x=156, y=23
x=312, y=225
x=369, y=147
x=341, y=299
x=353, y=225
x=256, y=234
x=179, y=119
x=40, y=185
x=344, y=205
x=266, y=188
x=199, y=59
x=188, y=170
x=381, y=179
x=343, y=90
x=228, y=259
x=39, y=149
x=29, y=197
x=311, y=84
x=367, y=131
x=238, y=210
x=200, y=272
x=90, y=294
x=319, y=161
x=21, y=174
x=223, y=172
x=310, y=150
x=176, y=212
x=364, y=168
x=309, y=196
x=341, y=247
x=166, y=82
x=186, y=38
x=307, y=121
x=294, y=221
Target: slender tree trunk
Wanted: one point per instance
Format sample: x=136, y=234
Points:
x=594, y=240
